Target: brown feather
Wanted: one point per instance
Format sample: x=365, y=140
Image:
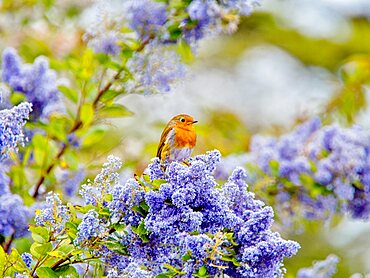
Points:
x=162, y=141
x=184, y=135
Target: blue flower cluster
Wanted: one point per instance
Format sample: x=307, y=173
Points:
x=147, y=18
x=321, y=269
x=326, y=168
x=213, y=17
x=27, y=258
x=183, y=218
x=107, y=43
x=52, y=213
x=155, y=69
x=71, y=180
x=36, y=81
x=14, y=216
x=95, y=193
x=11, y=128
x=90, y=228
x=156, y=26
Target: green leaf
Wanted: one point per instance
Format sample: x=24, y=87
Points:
x=236, y=262
x=39, y=234
x=174, y=31
x=16, y=98
x=157, y=183
x=115, y=110
x=108, y=198
x=57, y=127
x=185, y=51
x=119, y=227
x=117, y=247
x=227, y=258
x=33, y=250
x=38, y=250
x=16, y=261
x=169, y=274
x=144, y=206
x=72, y=230
x=274, y=166
x=170, y=267
x=85, y=209
x=104, y=212
x=141, y=231
x=186, y=257
x=2, y=259
x=66, y=248
x=67, y=271
x=46, y=272
x=202, y=271
x=71, y=159
x=86, y=64
x=102, y=58
x=77, y=251
x=44, y=248
x=40, y=144
x=93, y=136
x=110, y=95
x=57, y=254
x=87, y=114
x=69, y=93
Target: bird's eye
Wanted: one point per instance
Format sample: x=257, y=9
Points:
x=182, y=120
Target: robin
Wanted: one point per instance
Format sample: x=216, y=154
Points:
x=178, y=139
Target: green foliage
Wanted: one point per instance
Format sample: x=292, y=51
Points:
x=350, y=99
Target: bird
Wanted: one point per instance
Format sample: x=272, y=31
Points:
x=178, y=139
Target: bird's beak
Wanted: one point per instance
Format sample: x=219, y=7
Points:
x=194, y=122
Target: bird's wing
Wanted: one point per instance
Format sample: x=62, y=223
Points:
x=166, y=134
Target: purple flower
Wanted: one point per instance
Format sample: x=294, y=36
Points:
x=213, y=17
x=185, y=220
x=11, y=128
x=70, y=181
x=27, y=258
x=318, y=161
x=90, y=228
x=14, y=216
x=4, y=182
x=321, y=269
x=124, y=199
x=52, y=214
x=94, y=193
x=191, y=202
x=147, y=17
x=155, y=70
x=37, y=82
x=107, y=43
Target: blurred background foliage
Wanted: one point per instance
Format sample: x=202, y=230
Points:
x=269, y=76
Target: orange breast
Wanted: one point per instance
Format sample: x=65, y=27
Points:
x=185, y=137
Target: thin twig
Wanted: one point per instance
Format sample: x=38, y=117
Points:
x=9, y=243
x=76, y=126
x=78, y=123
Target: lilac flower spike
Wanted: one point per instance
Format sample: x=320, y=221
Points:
x=325, y=168
x=146, y=17
x=36, y=81
x=14, y=216
x=11, y=128
x=176, y=214
x=320, y=269
x=155, y=70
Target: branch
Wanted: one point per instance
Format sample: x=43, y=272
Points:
x=78, y=123
x=76, y=126
x=9, y=243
